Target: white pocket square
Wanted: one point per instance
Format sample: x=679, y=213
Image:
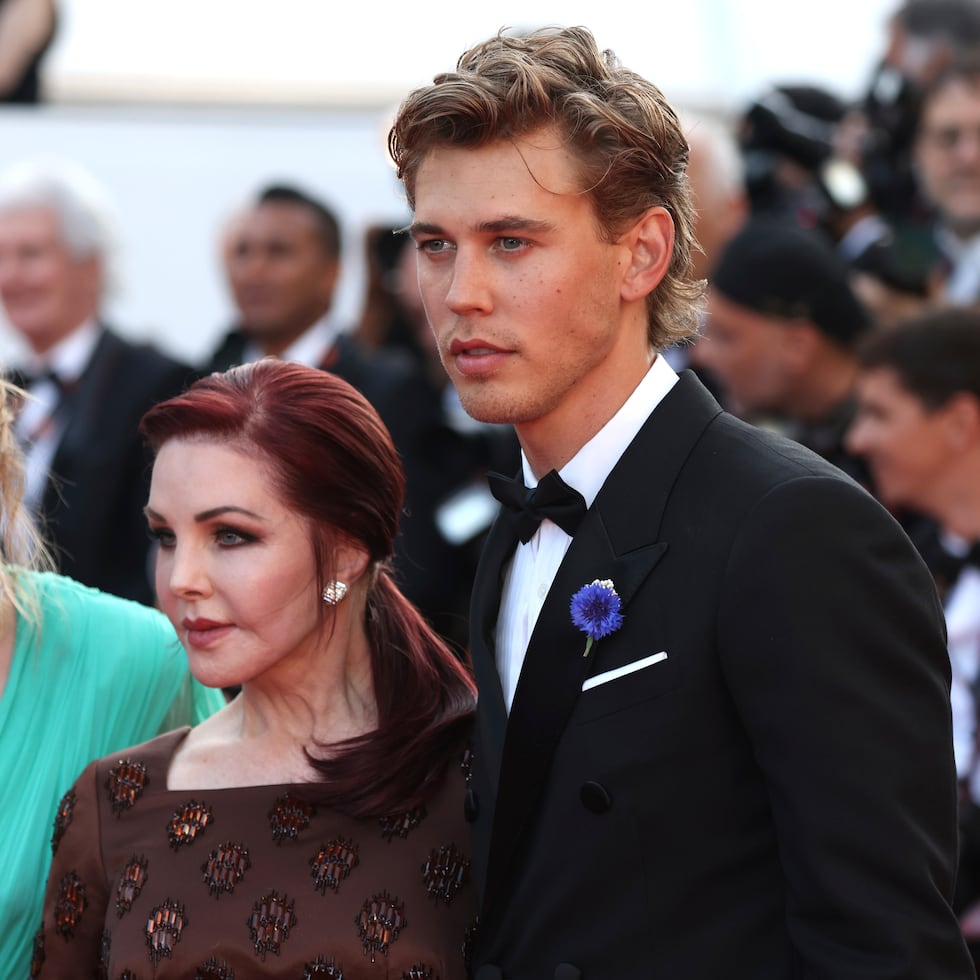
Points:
x=611, y=675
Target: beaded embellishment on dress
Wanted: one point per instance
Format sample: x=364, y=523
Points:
x=131, y=883
x=419, y=972
x=323, y=968
x=225, y=867
x=379, y=922
x=289, y=817
x=126, y=782
x=269, y=924
x=62, y=818
x=444, y=873
x=213, y=970
x=332, y=864
x=70, y=906
x=188, y=823
x=163, y=929
x=401, y=824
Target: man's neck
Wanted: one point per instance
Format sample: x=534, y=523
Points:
x=588, y=460
x=955, y=496
x=70, y=353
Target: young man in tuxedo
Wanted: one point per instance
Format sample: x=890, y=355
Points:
x=748, y=773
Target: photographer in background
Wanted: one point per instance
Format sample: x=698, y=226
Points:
x=923, y=37
x=793, y=141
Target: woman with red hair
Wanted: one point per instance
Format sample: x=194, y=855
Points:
x=314, y=826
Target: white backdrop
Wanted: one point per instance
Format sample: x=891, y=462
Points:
x=176, y=176
x=693, y=49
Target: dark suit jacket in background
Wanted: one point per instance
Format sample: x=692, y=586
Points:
x=92, y=512
x=773, y=801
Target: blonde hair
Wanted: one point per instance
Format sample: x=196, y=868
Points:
x=21, y=543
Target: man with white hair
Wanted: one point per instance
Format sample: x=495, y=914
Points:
x=89, y=387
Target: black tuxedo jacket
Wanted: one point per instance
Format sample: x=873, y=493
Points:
x=92, y=511
x=773, y=797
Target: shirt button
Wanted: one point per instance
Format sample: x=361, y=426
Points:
x=542, y=591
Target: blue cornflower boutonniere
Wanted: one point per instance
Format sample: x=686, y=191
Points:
x=595, y=611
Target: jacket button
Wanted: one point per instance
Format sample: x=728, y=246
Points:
x=565, y=971
x=471, y=806
x=595, y=797
x=489, y=972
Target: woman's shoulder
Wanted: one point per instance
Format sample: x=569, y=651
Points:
x=65, y=604
x=146, y=761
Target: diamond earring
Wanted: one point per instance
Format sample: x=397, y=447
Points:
x=334, y=592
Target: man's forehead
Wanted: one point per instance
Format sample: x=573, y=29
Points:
x=957, y=96
x=273, y=220
x=36, y=219
x=540, y=158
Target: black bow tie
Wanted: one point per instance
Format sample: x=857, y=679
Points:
x=552, y=498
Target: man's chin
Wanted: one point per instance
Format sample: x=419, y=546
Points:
x=967, y=223
x=488, y=410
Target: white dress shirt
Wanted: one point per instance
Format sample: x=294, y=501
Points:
x=39, y=428
x=963, y=639
x=962, y=288
x=534, y=565
x=309, y=348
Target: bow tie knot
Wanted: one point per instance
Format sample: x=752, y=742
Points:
x=552, y=499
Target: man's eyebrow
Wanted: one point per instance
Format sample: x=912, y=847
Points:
x=513, y=223
x=506, y=222
x=417, y=228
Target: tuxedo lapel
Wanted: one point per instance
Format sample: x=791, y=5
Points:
x=618, y=540
x=484, y=607
x=81, y=410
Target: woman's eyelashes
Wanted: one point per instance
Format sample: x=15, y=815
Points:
x=232, y=537
x=162, y=535
x=223, y=536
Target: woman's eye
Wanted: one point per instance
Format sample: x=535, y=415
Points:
x=163, y=536
x=229, y=537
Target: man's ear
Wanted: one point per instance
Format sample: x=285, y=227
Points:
x=650, y=244
x=962, y=416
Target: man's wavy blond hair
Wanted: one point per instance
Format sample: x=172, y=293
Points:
x=628, y=141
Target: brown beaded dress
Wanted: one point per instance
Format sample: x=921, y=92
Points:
x=254, y=881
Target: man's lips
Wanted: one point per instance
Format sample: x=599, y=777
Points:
x=474, y=347
x=476, y=357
